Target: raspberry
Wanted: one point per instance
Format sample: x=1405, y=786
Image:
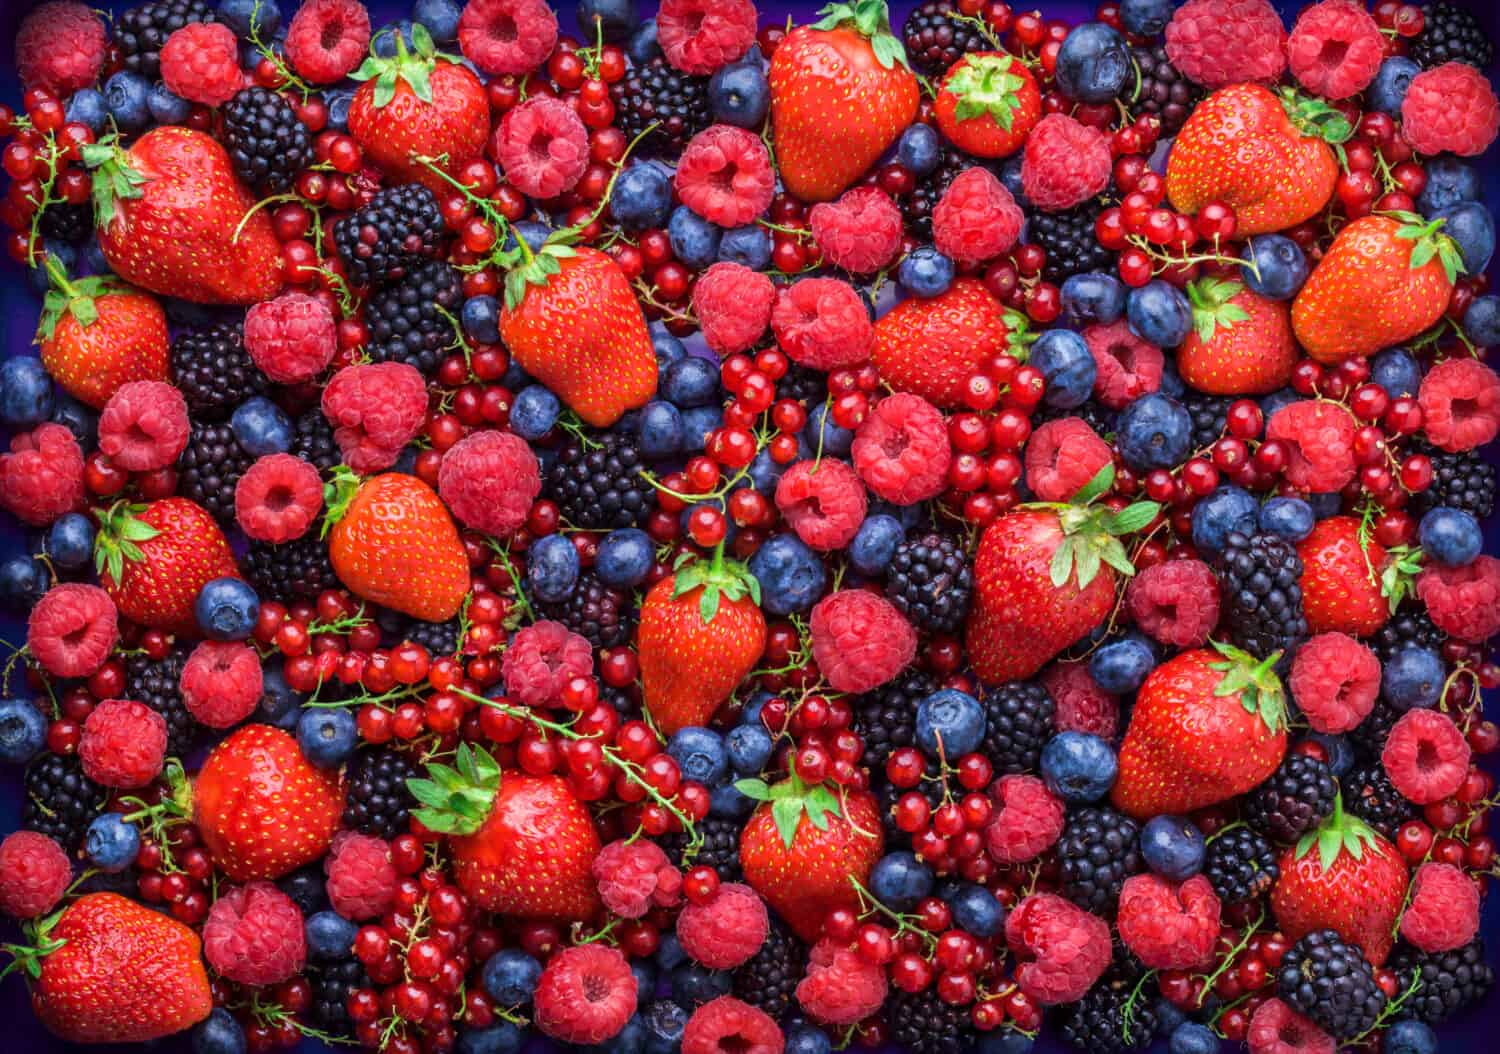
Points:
x=489, y=480
x=1061, y=950
x=375, y=410
x=727, y=930
x=361, y=878
x=1126, y=367
x=1426, y=756
x=1169, y=926
x=1444, y=909
x=725, y=175
x=221, y=682
x=1066, y=162
x=1335, y=49
x=859, y=639
x=727, y=1025
x=201, y=63
x=823, y=323
x=1275, y=1028
x=635, y=877
x=542, y=146
x=278, y=498
x=1081, y=705
x=1450, y=108
x=1460, y=400
x=60, y=47
x=327, y=39
x=144, y=426
x=124, y=744
x=72, y=629
x=42, y=476
x=34, y=874
x=1176, y=602
x=841, y=987
x=585, y=995
x=1334, y=682
x=254, y=935
x=733, y=305
x=1028, y=820
x=699, y=36
x=292, y=338
x=507, y=36
x=1220, y=42
x=976, y=219
x=902, y=451
x=1062, y=457
x=823, y=501
x=1319, y=440
x=861, y=231
x=1463, y=602
x=541, y=659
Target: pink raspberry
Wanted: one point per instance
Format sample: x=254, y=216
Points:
x=823, y=323
x=42, y=476
x=1460, y=400
x=375, y=410
x=1126, y=367
x=1062, y=456
x=699, y=36
x=1081, y=705
x=1319, y=440
x=902, y=451
x=507, y=36
x=1463, y=602
x=1061, y=950
x=327, y=39
x=60, y=47
x=361, y=878
x=727, y=1025
x=72, y=629
x=1334, y=682
x=542, y=146
x=1275, y=1028
x=292, y=338
x=144, y=426
x=1219, y=42
x=1450, y=108
x=1175, y=602
x=124, y=744
x=860, y=232
x=1335, y=49
x=725, y=175
x=976, y=219
x=489, y=479
x=1444, y=909
x=1066, y=162
x=841, y=987
x=201, y=63
x=1169, y=926
x=585, y=995
x=541, y=659
x=727, y=930
x=1426, y=756
x=34, y=874
x=733, y=305
x=635, y=877
x=253, y=935
x=823, y=501
x=221, y=682
x=860, y=640
x=1028, y=820
x=278, y=498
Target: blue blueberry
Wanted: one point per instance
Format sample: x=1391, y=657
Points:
x=532, y=232
x=875, y=544
x=534, y=411
x=727, y=802
x=749, y=245
x=329, y=935
x=219, y=1033
x=87, y=107
x=836, y=441
x=950, y=724
x=167, y=107
x=1159, y=313
x=243, y=15
x=660, y=431
x=642, y=197
x=1229, y=509
x=697, y=424
x=1120, y=666
x=615, y=19
x=804, y=1039
x=1405, y=1037
x=899, y=880
x=976, y=910
x=645, y=978
x=440, y=17
x=1005, y=1041
x=1092, y=297
x=1282, y=263
x=503, y=1037
x=1340, y=752
x=1449, y=181
x=749, y=748
x=126, y=95
x=1289, y=518
x=925, y=272
x=552, y=568
x=669, y=954
x=480, y=319
x=1078, y=768
x=1388, y=90
x=642, y=46
x=739, y=94
x=664, y=1021
x=700, y=755
x=383, y=43
x=227, y=609
x=279, y=702
x=26, y=398
x=1450, y=537
x=1413, y=678
x=1168, y=1016
x=77, y=418
x=70, y=541
x=23, y=731
x=624, y=558
x=1395, y=370
x=668, y=350
x=692, y=382
x=1325, y=505
x=1470, y=225
x=111, y=843
x=1146, y=18
x=1066, y=362
x=1193, y=1038
x=695, y=241
x=510, y=977
x=1172, y=847
x=1482, y=320
x=694, y=985
x=791, y=576
x=261, y=427
x=23, y=580
x=327, y=736
x=1093, y=63
x=1154, y=432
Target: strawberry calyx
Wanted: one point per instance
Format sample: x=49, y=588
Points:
x=1400, y=574
x=1429, y=243
x=1255, y=681
x=1019, y=336
x=1341, y=832
x=1091, y=533
x=985, y=85
x=76, y=297
x=719, y=578
x=338, y=492
x=457, y=799
x=790, y=799
x=414, y=67
x=870, y=19
x=120, y=528
x=114, y=178
x=39, y=944
x=1211, y=307
x=1314, y=117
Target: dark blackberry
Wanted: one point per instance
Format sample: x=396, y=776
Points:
x=1332, y=983
x=1156, y=87
x=769, y=979
x=804, y=384
x=1262, y=593
x=1409, y=627
x=1069, y=241
x=1097, y=416
x=439, y=638
x=1297, y=797
x=1450, y=34
x=312, y=440
x=1240, y=865
x=935, y=39
x=398, y=229
x=658, y=92
x=331, y=984
x=1451, y=980
x=140, y=32
x=1370, y=795
x=61, y=801
x=922, y=1023
x=67, y=223
x=1017, y=724
x=1112, y=1017
x=930, y=582
x=1208, y=413
x=1460, y=481
x=916, y=207
x=295, y=570
x=267, y=144
x=886, y=719
x=158, y=684
x=601, y=615
x=377, y=801
x=1097, y=852
x=210, y=467
x=598, y=485
x=1369, y=735
x=411, y=321
x=720, y=848
x=214, y=371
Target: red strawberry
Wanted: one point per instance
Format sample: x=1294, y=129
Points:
x=153, y=560
x=1342, y=571
x=99, y=333
x=988, y=103
x=1241, y=342
x=931, y=347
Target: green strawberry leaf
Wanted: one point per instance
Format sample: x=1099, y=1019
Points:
x=1132, y=518
x=708, y=603
x=1061, y=567
x=787, y=814
x=1115, y=556
x=385, y=88
x=755, y=789
x=1329, y=844
x=985, y=87
x=1102, y=481
x=1087, y=560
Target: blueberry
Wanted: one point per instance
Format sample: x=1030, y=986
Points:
x=1482, y=320
x=1449, y=181
x=1093, y=63
x=875, y=544
x=1146, y=18
x=642, y=197
x=1404, y=1037
x=1229, y=509
x=77, y=418
x=1470, y=225
x=383, y=43
x=87, y=107
x=327, y=736
x=1066, y=362
x=329, y=935
x=749, y=245
x=899, y=880
x=278, y=700
x=791, y=576
x=697, y=424
x=226, y=609
x=552, y=568
x=645, y=978
x=1005, y=1041
x=480, y=319
x=1092, y=297
x=642, y=47
x=919, y=149
x=804, y=1039
x=1121, y=665
x=1450, y=536
x=1172, y=847
x=695, y=241
x=1193, y=1038
x=167, y=107
x=976, y=910
x=1289, y=518
x=624, y=558
x=23, y=731
x=503, y=1037
x=1395, y=370
x=111, y=843
x=1282, y=264
x=616, y=19
x=700, y=754
x=1154, y=432
x=533, y=233
x=1388, y=90
x=70, y=541
x=925, y=272
x=694, y=985
x=726, y=802
x=1340, y=752
x=534, y=411
x=261, y=427
x=692, y=382
x=243, y=15
x=1159, y=313
x=1412, y=678
x=1078, y=767
x=836, y=441
x=950, y=724
x=1168, y=1016
x=26, y=398
x=749, y=748
x=440, y=17
x=510, y=977
x=125, y=94
x=739, y=94
x=664, y=1021
x=219, y=1033
x=23, y=580
x=669, y=954
x=668, y=351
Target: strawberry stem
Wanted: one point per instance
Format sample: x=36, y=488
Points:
x=871, y=19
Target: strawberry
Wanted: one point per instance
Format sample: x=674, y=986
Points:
x=153, y=560
x=1399, y=262
x=987, y=104
x=173, y=219
x=1268, y=158
x=1355, y=884
x=393, y=542
x=841, y=92
x=522, y=845
x=99, y=333
x=262, y=808
x=931, y=347
x=1241, y=342
x=701, y=632
x=1204, y=729
x=1342, y=572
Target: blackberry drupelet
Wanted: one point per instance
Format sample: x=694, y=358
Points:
x=210, y=467
x=1017, y=724
x=295, y=570
x=886, y=718
x=935, y=39
x=720, y=848
x=923, y=1024
x=1158, y=88
x=398, y=229
x=140, y=32
x=439, y=638
x=1297, y=797
x=1460, y=481
x=1097, y=852
x=214, y=371
x=1450, y=34
x=1111, y=1018
x=61, y=801
x=331, y=984
x=930, y=582
x=1370, y=795
x=312, y=440
x=1262, y=602
x=1097, y=416
x=769, y=979
x=1407, y=627
x=158, y=684
x=916, y=207
x=67, y=223
x=601, y=487
x=1331, y=982
x=1208, y=413
x=1450, y=980
x=600, y=615
x=1369, y=735
x=411, y=320
x=1240, y=865
x=377, y=800
x=267, y=144
x=658, y=92
x=1069, y=241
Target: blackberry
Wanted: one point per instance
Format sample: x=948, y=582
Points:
x=1097, y=416
x=210, y=467
x=1208, y=413
x=935, y=39
x=769, y=979
x=1331, y=982
x=1460, y=481
x=804, y=384
x=930, y=582
x=140, y=32
x=1407, y=628
x=597, y=613
x=1261, y=577
x=886, y=719
x=61, y=801
x=1069, y=241
x=267, y=144
x=411, y=320
x=377, y=800
x=1369, y=735
x=598, y=485
x=331, y=984
x=1240, y=865
x=398, y=229
x=295, y=570
x=1017, y=724
x=1158, y=88
x=720, y=848
x=1450, y=34
x=1297, y=797
x=1370, y=795
x=68, y=223
x=158, y=684
x=1450, y=980
x=916, y=207
x=657, y=92
x=922, y=1023
x=1097, y=852
x=439, y=638
x=214, y=371
x=1111, y=1018
x=313, y=442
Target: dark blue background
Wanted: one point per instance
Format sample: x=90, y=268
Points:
x=19, y=305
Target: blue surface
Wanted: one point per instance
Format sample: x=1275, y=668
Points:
x=19, y=306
